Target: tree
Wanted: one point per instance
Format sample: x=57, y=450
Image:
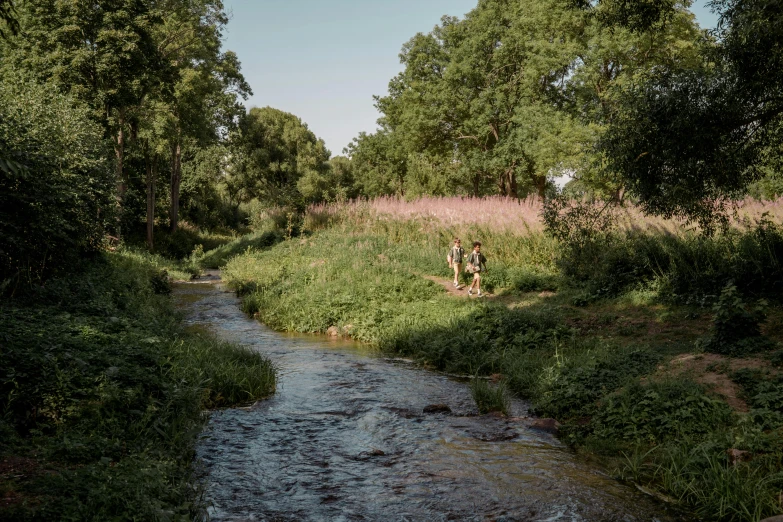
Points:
x=511, y=96
x=277, y=159
x=687, y=140
x=379, y=163
x=8, y=18
x=56, y=190
x=101, y=52
x=342, y=181
x=202, y=105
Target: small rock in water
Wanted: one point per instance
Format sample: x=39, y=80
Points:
x=332, y=331
x=437, y=408
x=547, y=425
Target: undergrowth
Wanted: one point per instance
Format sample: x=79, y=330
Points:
x=102, y=396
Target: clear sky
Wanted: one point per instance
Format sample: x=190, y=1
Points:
x=323, y=60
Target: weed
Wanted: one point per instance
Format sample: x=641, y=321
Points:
x=735, y=328
x=490, y=398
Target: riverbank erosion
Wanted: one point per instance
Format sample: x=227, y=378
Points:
x=632, y=356
x=103, y=393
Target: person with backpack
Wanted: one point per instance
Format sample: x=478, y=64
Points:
x=475, y=261
x=455, y=256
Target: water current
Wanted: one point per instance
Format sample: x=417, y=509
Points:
x=345, y=438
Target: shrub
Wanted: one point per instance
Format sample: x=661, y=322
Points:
x=735, y=328
x=572, y=385
x=56, y=185
x=659, y=411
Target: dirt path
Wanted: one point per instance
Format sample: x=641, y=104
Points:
x=462, y=291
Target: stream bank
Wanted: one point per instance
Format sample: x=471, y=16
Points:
x=345, y=438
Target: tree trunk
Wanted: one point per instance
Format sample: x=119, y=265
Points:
x=176, y=178
x=540, y=183
x=152, y=174
x=119, y=153
x=508, y=183
x=619, y=195
x=476, y=185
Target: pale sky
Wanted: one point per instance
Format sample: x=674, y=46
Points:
x=323, y=60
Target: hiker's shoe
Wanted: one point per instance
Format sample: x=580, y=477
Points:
x=479, y=293
x=456, y=284
x=470, y=292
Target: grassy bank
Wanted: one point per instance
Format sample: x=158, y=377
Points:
x=102, y=395
x=642, y=371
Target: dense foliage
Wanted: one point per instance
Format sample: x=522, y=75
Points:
x=102, y=396
x=55, y=182
x=511, y=96
x=152, y=78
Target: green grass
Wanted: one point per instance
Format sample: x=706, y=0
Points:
x=217, y=257
x=490, y=398
x=600, y=381
x=102, y=394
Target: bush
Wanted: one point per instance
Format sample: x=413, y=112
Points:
x=735, y=328
x=659, y=411
x=56, y=185
x=688, y=268
x=572, y=386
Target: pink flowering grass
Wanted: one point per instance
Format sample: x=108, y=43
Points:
x=500, y=214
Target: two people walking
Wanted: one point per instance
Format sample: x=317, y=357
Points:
x=475, y=262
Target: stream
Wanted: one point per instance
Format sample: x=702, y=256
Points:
x=345, y=438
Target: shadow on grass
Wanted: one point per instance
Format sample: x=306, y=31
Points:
x=218, y=257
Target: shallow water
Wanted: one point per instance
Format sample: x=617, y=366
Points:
x=345, y=438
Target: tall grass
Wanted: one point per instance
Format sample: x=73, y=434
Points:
x=501, y=214
x=490, y=398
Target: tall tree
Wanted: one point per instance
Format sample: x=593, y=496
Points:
x=103, y=52
x=277, y=159
x=203, y=104
x=688, y=139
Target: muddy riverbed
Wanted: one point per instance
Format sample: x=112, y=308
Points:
x=345, y=438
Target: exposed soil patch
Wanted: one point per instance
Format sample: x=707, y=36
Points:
x=713, y=370
x=448, y=285
x=14, y=469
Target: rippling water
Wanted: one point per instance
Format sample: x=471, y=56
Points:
x=345, y=438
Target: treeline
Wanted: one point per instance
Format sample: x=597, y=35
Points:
x=626, y=98
x=119, y=120
x=122, y=119
x=104, y=102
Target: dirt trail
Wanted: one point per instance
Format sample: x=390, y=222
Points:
x=462, y=291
